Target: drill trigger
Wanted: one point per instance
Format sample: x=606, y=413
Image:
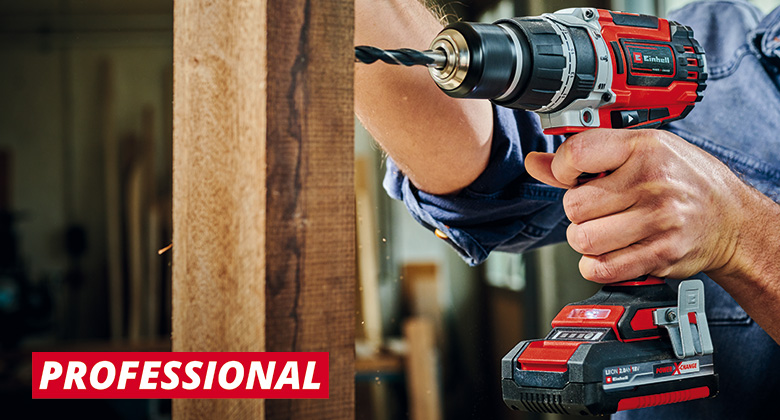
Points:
x=678, y=321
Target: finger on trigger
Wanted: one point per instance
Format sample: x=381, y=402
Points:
x=592, y=151
x=538, y=166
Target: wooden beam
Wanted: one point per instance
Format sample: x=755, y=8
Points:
x=311, y=200
x=263, y=191
x=219, y=188
x=369, y=322
x=422, y=365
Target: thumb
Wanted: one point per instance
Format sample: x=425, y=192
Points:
x=539, y=166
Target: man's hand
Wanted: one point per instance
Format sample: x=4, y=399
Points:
x=666, y=208
x=669, y=209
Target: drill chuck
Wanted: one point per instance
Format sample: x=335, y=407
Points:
x=525, y=63
x=482, y=60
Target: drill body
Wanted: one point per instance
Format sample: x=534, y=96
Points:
x=578, y=68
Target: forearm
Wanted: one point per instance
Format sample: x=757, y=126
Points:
x=752, y=274
x=441, y=143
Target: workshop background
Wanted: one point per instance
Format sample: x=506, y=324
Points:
x=85, y=205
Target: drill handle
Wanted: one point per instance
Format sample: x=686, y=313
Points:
x=641, y=281
x=585, y=177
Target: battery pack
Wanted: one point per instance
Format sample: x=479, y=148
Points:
x=627, y=347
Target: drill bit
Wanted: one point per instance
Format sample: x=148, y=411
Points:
x=404, y=56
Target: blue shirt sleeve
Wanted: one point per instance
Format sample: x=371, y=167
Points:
x=504, y=209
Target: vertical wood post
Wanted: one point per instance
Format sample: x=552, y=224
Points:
x=264, y=256
x=310, y=228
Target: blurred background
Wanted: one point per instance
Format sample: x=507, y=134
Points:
x=85, y=205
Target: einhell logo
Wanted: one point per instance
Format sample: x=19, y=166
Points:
x=655, y=59
x=675, y=368
x=642, y=58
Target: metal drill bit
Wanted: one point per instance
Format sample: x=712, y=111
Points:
x=404, y=56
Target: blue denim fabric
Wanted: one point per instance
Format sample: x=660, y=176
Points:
x=738, y=122
x=504, y=208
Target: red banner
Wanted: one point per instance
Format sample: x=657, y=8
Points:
x=180, y=375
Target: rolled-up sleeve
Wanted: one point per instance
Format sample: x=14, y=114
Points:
x=504, y=209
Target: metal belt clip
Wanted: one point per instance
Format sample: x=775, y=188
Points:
x=687, y=323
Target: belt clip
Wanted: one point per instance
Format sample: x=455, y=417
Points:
x=687, y=323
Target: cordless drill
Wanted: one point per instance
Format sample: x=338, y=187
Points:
x=578, y=69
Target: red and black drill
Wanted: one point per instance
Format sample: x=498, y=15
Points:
x=633, y=344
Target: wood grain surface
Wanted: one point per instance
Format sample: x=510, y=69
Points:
x=219, y=125
x=263, y=256
x=311, y=201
